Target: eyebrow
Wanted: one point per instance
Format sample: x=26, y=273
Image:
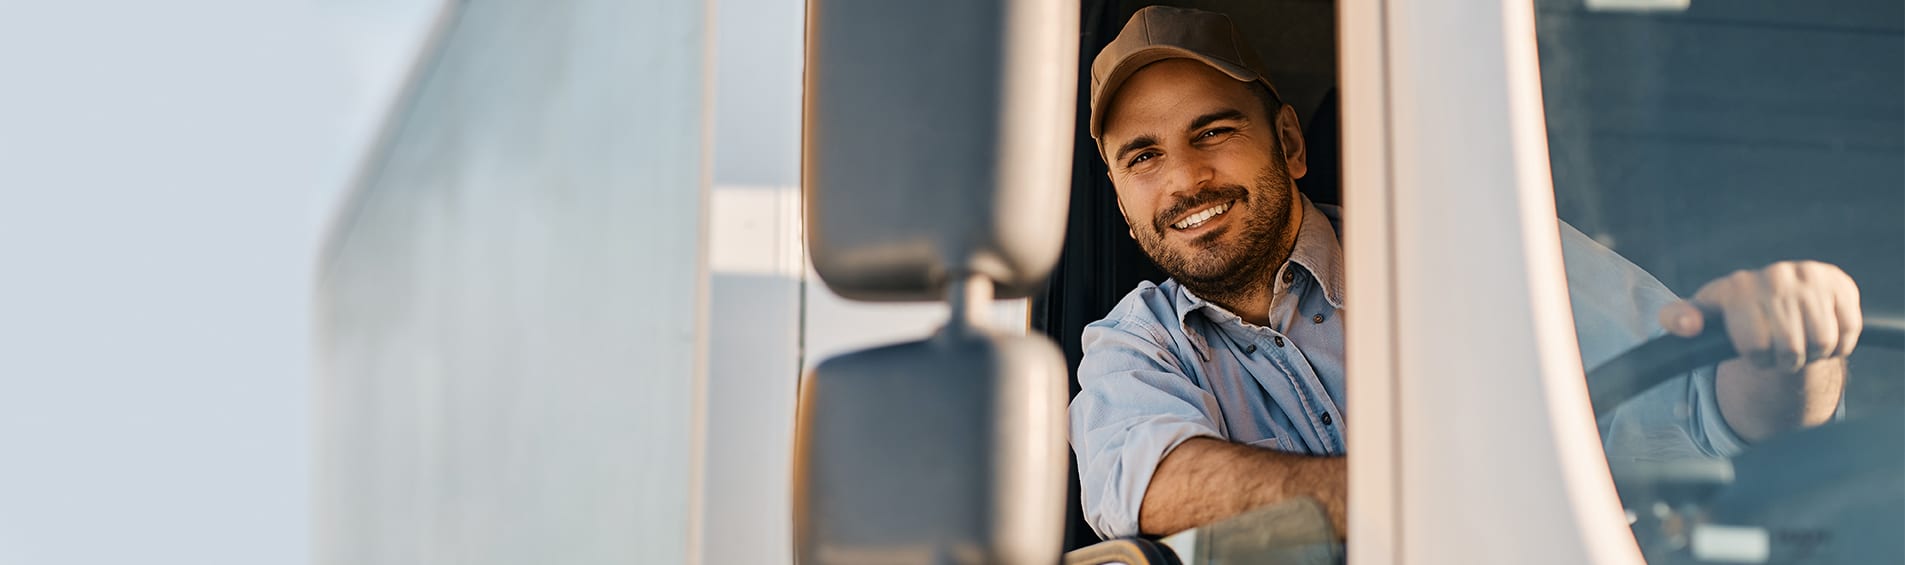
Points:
x=1144, y=141
x=1217, y=116
x=1135, y=144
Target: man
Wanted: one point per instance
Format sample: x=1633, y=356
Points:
x=1222, y=389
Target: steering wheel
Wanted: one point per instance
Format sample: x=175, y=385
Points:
x=1826, y=494
x=1669, y=356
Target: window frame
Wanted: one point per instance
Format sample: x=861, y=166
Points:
x=1454, y=260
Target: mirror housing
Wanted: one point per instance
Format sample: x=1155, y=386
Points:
x=937, y=142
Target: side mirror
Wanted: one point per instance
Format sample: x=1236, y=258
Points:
x=936, y=165
x=938, y=141
x=948, y=450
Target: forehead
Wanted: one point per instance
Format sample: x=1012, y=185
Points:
x=1169, y=94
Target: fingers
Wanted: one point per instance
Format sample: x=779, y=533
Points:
x=1683, y=319
x=1736, y=298
x=1851, y=323
x=1780, y=317
x=1786, y=327
x=1828, y=300
x=1751, y=328
x=1821, y=333
x=1845, y=307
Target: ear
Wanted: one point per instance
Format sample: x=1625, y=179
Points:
x=1290, y=137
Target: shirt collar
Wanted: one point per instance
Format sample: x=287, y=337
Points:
x=1317, y=251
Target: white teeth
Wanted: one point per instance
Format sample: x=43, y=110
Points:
x=1199, y=218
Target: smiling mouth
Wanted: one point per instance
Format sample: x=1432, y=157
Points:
x=1200, y=218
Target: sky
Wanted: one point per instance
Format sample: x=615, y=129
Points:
x=167, y=172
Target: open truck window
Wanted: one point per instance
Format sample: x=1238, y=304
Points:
x=1706, y=138
x=1685, y=142
x=1296, y=40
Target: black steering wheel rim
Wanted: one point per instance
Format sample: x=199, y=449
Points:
x=1665, y=357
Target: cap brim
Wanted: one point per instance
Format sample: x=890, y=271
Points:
x=1138, y=59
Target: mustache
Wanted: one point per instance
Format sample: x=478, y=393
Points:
x=1202, y=198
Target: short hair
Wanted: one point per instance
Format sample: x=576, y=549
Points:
x=1271, y=107
x=1271, y=104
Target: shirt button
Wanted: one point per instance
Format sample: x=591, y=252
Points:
x=1289, y=276
x=1327, y=420
x=1317, y=318
x=1278, y=340
x=1250, y=348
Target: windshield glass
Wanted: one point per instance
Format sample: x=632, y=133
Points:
x=1746, y=156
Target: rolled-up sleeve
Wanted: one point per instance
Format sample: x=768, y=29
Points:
x=1134, y=406
x=1678, y=419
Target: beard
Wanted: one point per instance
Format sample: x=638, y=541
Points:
x=1212, y=268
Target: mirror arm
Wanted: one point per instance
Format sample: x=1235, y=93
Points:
x=970, y=295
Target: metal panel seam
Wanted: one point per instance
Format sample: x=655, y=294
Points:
x=1389, y=259
x=698, y=430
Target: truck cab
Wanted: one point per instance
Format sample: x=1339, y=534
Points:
x=575, y=312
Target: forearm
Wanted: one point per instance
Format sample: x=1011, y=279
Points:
x=1759, y=402
x=1205, y=480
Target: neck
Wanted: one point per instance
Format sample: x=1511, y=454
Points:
x=1252, y=306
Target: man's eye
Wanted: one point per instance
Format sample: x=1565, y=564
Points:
x=1142, y=157
x=1214, y=132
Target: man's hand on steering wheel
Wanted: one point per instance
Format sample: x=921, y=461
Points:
x=1780, y=317
x=1784, y=320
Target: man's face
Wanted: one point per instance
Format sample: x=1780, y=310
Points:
x=1201, y=179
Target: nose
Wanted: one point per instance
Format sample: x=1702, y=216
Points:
x=1190, y=173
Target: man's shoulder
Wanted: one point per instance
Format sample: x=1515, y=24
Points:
x=1143, y=330
x=1147, y=311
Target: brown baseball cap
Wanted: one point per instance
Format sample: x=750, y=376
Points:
x=1157, y=33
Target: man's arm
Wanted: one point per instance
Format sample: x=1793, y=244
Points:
x=1760, y=402
x=1205, y=480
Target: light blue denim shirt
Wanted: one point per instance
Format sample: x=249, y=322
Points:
x=1166, y=366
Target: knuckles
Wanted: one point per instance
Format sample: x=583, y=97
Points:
x=1786, y=278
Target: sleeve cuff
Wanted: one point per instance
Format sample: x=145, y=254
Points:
x=1720, y=439
x=1116, y=514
